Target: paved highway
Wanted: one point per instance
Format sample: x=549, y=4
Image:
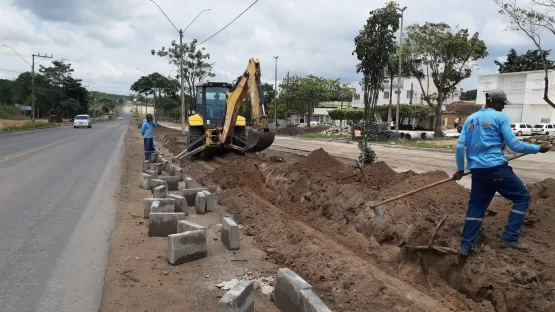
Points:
x=56, y=215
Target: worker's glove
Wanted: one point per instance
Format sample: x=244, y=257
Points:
x=458, y=175
x=545, y=147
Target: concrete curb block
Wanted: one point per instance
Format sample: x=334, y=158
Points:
x=159, y=167
x=230, y=234
x=153, y=173
x=191, y=195
x=153, y=157
x=186, y=246
x=287, y=292
x=165, y=163
x=162, y=224
x=160, y=191
x=240, y=298
x=157, y=182
x=186, y=226
x=200, y=203
x=145, y=181
x=166, y=205
x=173, y=182
x=210, y=201
x=146, y=165
x=311, y=302
x=191, y=184
x=180, y=203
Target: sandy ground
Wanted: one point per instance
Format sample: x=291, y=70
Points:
x=138, y=276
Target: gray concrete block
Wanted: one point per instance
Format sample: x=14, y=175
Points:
x=287, y=291
x=180, y=203
x=153, y=173
x=186, y=246
x=160, y=191
x=157, y=182
x=178, y=172
x=311, y=302
x=153, y=157
x=146, y=165
x=186, y=226
x=171, y=169
x=191, y=194
x=230, y=234
x=210, y=201
x=166, y=205
x=162, y=224
x=159, y=166
x=145, y=181
x=191, y=184
x=240, y=298
x=153, y=166
x=173, y=182
x=165, y=162
x=200, y=203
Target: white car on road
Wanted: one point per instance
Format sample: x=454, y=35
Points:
x=520, y=129
x=82, y=121
x=543, y=129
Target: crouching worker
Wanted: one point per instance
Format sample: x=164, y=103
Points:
x=484, y=137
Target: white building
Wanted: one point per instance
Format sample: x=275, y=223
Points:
x=410, y=86
x=525, y=91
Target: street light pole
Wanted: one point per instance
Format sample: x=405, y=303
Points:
x=276, y=91
x=399, y=75
x=184, y=109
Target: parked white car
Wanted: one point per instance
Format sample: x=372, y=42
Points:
x=520, y=129
x=543, y=129
x=82, y=121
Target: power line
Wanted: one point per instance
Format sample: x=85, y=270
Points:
x=229, y=23
x=11, y=71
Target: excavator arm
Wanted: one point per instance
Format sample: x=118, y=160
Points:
x=259, y=137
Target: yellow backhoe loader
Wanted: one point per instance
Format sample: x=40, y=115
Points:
x=216, y=123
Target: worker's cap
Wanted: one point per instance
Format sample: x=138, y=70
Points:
x=148, y=115
x=497, y=95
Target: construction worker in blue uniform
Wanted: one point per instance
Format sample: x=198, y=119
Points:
x=147, y=130
x=484, y=137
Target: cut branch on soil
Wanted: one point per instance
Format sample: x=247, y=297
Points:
x=445, y=250
x=435, y=231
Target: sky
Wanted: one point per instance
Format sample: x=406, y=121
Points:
x=107, y=40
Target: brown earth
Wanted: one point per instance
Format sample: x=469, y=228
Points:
x=139, y=278
x=311, y=214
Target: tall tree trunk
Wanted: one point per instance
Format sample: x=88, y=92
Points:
x=438, y=127
x=309, y=115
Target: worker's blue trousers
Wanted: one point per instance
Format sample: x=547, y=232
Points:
x=149, y=147
x=485, y=182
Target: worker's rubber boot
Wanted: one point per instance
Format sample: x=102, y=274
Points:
x=515, y=245
x=464, y=252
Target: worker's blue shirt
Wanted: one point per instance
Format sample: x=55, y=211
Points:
x=146, y=129
x=484, y=135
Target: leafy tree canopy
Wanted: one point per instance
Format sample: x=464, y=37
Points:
x=530, y=60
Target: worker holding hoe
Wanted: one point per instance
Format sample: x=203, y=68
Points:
x=484, y=136
x=147, y=131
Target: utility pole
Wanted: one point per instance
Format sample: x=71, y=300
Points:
x=184, y=108
x=276, y=91
x=397, y=122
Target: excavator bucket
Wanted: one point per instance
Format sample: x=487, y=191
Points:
x=258, y=140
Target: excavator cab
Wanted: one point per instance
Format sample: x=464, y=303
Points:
x=216, y=122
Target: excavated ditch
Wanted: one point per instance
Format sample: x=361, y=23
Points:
x=312, y=215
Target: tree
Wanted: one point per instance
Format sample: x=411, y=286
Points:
x=305, y=93
x=269, y=93
x=156, y=85
x=374, y=46
x=6, y=91
x=449, y=56
x=469, y=95
x=531, y=60
x=531, y=22
x=196, y=66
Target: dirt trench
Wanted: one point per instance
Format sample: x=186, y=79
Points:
x=312, y=215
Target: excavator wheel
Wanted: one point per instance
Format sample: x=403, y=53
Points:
x=195, y=133
x=240, y=136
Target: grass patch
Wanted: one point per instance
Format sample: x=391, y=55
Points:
x=26, y=126
x=11, y=113
x=309, y=135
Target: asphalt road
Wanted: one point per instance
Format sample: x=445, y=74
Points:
x=57, y=212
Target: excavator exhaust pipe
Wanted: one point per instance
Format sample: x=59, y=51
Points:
x=258, y=140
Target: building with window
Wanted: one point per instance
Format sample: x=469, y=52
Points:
x=525, y=91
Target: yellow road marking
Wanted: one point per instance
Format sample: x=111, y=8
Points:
x=12, y=156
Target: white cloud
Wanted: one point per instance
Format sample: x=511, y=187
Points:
x=106, y=40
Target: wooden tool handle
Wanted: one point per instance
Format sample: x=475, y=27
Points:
x=431, y=185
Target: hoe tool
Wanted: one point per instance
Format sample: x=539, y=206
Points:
x=378, y=209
